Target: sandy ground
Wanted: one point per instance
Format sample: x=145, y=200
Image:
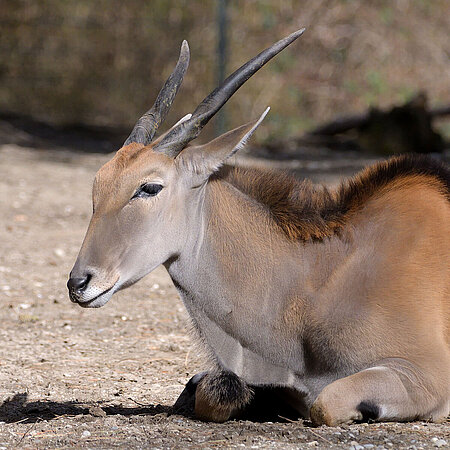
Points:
x=107, y=378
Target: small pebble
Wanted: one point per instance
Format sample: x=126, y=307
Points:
x=355, y=446
x=439, y=442
x=96, y=411
x=85, y=434
x=313, y=444
x=59, y=252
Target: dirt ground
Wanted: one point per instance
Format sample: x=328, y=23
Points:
x=104, y=378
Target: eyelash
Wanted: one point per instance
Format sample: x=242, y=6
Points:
x=147, y=190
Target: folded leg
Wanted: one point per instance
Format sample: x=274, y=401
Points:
x=393, y=390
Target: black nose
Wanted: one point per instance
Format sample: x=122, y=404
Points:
x=77, y=285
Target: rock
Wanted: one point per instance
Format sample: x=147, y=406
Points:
x=96, y=411
x=439, y=442
x=28, y=318
x=355, y=446
x=59, y=252
x=85, y=434
x=84, y=418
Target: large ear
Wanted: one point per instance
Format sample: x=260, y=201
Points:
x=201, y=161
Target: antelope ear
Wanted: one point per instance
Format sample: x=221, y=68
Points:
x=203, y=160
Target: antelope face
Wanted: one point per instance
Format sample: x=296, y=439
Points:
x=147, y=210
x=147, y=199
x=139, y=221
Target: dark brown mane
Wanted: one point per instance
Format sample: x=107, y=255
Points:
x=313, y=212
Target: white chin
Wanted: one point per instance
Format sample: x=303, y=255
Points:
x=99, y=301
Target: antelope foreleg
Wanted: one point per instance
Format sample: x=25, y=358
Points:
x=221, y=395
x=214, y=396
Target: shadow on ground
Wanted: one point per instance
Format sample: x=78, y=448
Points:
x=18, y=409
x=265, y=406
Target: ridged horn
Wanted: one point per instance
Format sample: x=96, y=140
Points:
x=180, y=136
x=145, y=128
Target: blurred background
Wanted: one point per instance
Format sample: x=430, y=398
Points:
x=82, y=72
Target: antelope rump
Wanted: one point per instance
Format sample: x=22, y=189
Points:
x=338, y=299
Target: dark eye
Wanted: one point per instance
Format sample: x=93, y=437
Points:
x=147, y=190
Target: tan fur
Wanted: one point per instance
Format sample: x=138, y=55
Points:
x=304, y=211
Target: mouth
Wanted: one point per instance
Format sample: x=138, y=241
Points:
x=100, y=299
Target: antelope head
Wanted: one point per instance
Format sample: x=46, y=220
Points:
x=147, y=200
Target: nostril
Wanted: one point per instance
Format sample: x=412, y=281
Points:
x=78, y=284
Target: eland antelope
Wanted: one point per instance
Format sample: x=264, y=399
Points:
x=338, y=298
